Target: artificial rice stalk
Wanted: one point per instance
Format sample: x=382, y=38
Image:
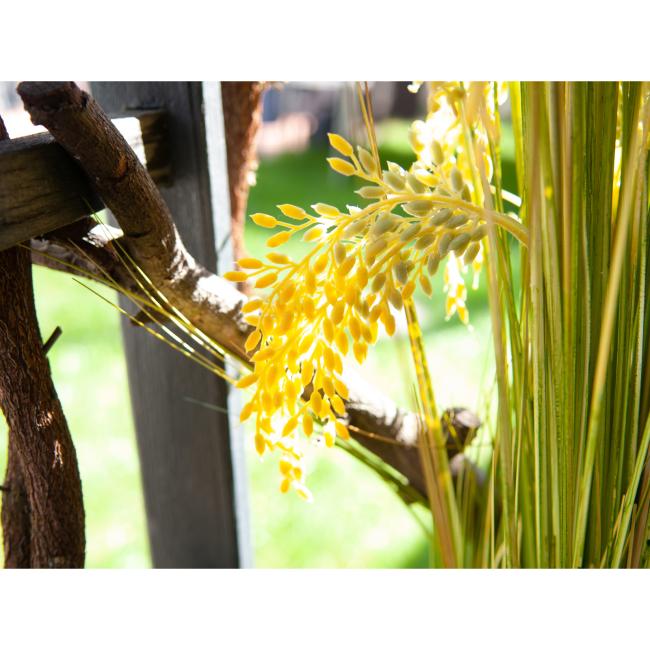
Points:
x=433, y=452
x=598, y=396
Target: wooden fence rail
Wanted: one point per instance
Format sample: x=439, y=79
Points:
x=41, y=187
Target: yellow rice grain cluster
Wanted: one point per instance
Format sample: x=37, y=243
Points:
x=364, y=263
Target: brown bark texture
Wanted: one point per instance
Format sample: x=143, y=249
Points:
x=242, y=116
x=42, y=505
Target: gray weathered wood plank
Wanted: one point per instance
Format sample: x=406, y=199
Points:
x=42, y=188
x=192, y=469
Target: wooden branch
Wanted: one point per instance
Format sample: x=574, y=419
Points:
x=16, y=529
x=43, y=188
x=211, y=303
x=242, y=116
x=42, y=504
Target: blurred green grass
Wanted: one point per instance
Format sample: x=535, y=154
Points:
x=355, y=521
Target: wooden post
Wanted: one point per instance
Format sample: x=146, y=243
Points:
x=191, y=456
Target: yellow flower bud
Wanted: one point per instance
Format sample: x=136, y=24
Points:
x=252, y=305
x=341, y=340
x=367, y=161
x=247, y=380
x=456, y=179
x=340, y=144
x=341, y=388
x=278, y=258
x=342, y=166
x=325, y=210
x=341, y=430
x=371, y=192
x=314, y=233
x=235, y=276
x=264, y=220
x=252, y=340
x=260, y=444
x=292, y=211
x=266, y=280
x=278, y=239
x=246, y=412
x=249, y=263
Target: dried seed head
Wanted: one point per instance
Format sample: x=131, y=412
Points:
x=459, y=242
x=456, y=179
x=395, y=182
x=440, y=217
x=340, y=253
x=416, y=185
x=325, y=210
x=292, y=211
x=457, y=220
x=436, y=153
x=395, y=298
x=367, y=161
x=371, y=192
x=374, y=248
x=378, y=282
x=424, y=241
x=425, y=177
x=342, y=166
x=355, y=228
x=383, y=224
x=471, y=253
x=479, y=232
x=432, y=264
x=340, y=144
x=410, y=232
x=418, y=208
x=443, y=244
x=400, y=270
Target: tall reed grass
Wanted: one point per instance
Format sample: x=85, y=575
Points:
x=569, y=484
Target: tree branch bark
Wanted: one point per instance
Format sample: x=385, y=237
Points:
x=42, y=506
x=242, y=115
